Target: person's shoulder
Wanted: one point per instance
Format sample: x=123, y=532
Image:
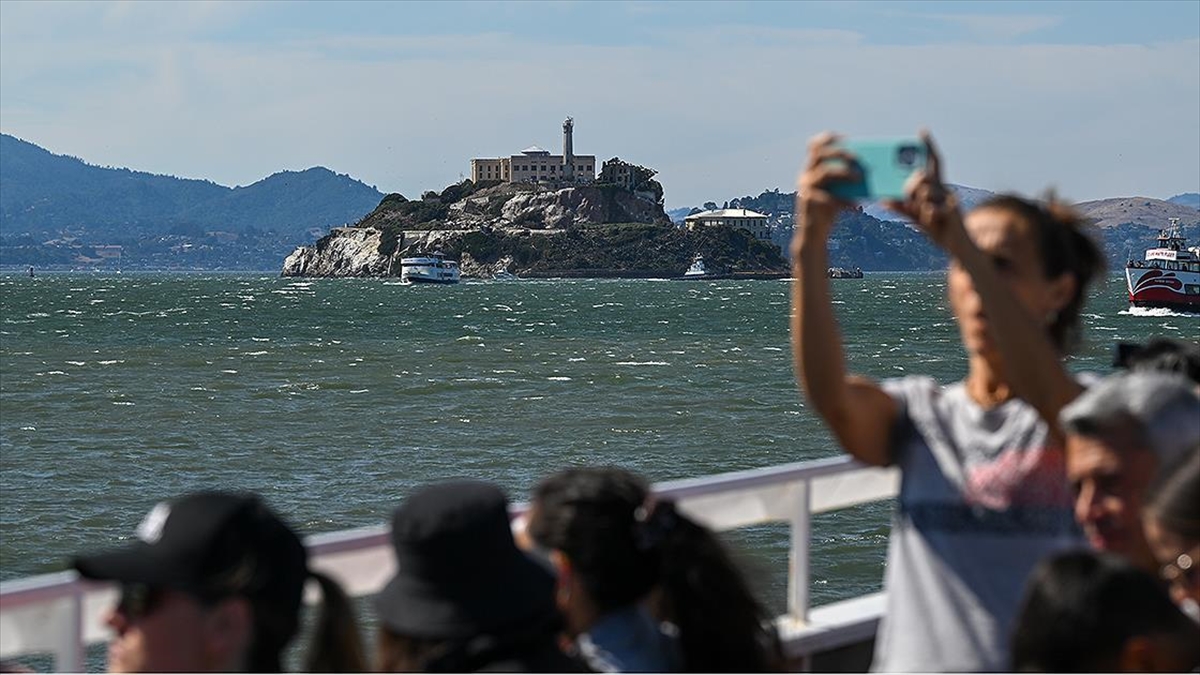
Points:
x=912, y=386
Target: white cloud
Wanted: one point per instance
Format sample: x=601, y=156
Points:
x=1002, y=27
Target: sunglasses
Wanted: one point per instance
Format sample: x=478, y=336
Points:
x=138, y=601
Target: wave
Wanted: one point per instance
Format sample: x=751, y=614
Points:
x=1155, y=311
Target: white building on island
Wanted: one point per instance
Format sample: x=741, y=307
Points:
x=752, y=221
x=535, y=165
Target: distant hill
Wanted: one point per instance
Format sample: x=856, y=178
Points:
x=968, y=197
x=1191, y=199
x=1144, y=211
x=1125, y=226
x=46, y=194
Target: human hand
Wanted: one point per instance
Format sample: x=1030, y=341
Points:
x=816, y=206
x=927, y=201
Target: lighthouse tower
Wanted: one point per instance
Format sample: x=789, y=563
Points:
x=568, y=165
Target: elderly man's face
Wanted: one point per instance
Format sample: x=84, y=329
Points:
x=1110, y=474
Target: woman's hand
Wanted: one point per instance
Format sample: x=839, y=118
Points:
x=816, y=208
x=927, y=201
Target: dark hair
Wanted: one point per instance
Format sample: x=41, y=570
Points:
x=335, y=647
x=1174, y=498
x=1065, y=249
x=1080, y=609
x=396, y=653
x=623, y=546
x=1161, y=354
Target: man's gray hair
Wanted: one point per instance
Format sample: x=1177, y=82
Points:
x=1163, y=406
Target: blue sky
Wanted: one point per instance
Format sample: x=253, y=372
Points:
x=1100, y=99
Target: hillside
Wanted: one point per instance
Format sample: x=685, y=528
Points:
x=1191, y=199
x=1125, y=227
x=59, y=211
x=1143, y=211
x=48, y=197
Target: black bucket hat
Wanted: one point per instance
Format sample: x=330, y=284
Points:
x=211, y=544
x=459, y=573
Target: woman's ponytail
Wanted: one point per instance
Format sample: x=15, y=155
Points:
x=722, y=626
x=336, y=645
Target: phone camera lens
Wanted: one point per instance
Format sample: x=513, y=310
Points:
x=907, y=155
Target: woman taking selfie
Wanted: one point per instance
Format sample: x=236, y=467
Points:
x=983, y=492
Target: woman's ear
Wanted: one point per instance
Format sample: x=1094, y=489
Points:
x=1061, y=291
x=228, y=633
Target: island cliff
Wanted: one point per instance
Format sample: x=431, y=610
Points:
x=593, y=230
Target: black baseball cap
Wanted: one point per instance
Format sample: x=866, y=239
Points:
x=212, y=544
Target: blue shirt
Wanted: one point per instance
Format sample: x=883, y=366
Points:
x=629, y=640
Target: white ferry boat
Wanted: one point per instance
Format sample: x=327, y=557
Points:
x=1169, y=276
x=844, y=273
x=699, y=271
x=429, y=269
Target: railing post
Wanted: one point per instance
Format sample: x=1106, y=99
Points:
x=69, y=656
x=798, y=585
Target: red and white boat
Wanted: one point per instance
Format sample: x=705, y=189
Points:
x=1169, y=276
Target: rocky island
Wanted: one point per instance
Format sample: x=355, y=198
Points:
x=534, y=214
x=532, y=231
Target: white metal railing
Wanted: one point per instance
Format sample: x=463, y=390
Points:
x=61, y=614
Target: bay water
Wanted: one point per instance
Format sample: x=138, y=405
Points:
x=336, y=398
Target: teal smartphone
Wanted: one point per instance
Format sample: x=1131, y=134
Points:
x=885, y=165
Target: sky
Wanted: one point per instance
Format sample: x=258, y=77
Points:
x=1096, y=99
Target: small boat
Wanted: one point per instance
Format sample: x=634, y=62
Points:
x=505, y=275
x=844, y=273
x=1169, y=276
x=432, y=268
x=700, y=272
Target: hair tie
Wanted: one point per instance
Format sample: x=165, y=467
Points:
x=653, y=521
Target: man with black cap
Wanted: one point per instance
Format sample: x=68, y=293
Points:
x=214, y=584
x=464, y=597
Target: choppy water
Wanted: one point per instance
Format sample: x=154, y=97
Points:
x=334, y=398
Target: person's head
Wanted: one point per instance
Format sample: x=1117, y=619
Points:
x=462, y=588
x=1119, y=433
x=214, y=583
x=1172, y=523
x=1042, y=253
x=1089, y=611
x=1161, y=354
x=615, y=546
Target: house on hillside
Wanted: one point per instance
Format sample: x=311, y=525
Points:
x=752, y=221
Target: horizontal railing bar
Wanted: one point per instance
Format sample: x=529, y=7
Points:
x=41, y=588
x=752, y=478
x=342, y=541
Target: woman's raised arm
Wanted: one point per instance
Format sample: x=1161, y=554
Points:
x=857, y=410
